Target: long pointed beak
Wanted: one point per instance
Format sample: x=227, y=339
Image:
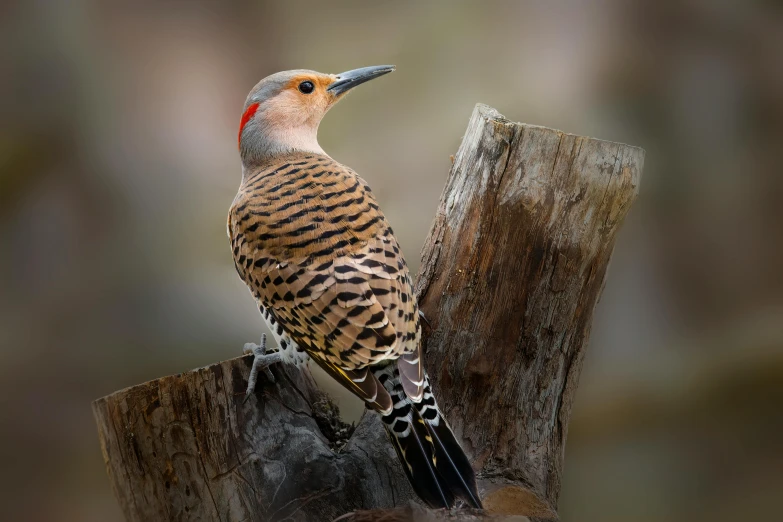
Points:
x=350, y=79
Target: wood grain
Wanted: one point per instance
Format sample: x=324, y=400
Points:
x=512, y=269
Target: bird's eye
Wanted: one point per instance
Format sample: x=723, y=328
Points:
x=306, y=87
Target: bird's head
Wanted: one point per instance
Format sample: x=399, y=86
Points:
x=283, y=111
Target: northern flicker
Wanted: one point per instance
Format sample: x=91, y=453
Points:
x=322, y=262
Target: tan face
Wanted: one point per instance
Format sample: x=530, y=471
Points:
x=303, y=101
x=283, y=111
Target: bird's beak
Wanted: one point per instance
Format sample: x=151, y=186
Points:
x=350, y=79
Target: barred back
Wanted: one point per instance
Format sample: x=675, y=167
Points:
x=316, y=251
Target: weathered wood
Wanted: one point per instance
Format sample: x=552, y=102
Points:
x=189, y=447
x=417, y=513
x=511, y=271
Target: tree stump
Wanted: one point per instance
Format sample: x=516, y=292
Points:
x=512, y=269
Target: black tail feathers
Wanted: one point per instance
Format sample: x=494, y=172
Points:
x=453, y=464
x=416, y=453
x=437, y=468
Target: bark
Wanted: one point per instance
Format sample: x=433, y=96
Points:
x=512, y=269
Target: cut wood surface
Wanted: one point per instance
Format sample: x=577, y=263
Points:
x=511, y=271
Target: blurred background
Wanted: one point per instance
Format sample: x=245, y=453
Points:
x=118, y=163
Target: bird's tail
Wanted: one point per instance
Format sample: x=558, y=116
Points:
x=437, y=468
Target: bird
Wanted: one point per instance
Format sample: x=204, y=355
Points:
x=319, y=257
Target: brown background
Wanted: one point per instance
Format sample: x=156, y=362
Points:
x=118, y=163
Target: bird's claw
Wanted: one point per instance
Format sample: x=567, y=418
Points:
x=261, y=362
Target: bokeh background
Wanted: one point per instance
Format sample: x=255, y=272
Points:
x=118, y=163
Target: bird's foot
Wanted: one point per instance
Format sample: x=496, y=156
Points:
x=261, y=361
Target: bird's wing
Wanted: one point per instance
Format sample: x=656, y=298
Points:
x=321, y=257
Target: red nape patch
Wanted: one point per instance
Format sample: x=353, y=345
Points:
x=246, y=118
